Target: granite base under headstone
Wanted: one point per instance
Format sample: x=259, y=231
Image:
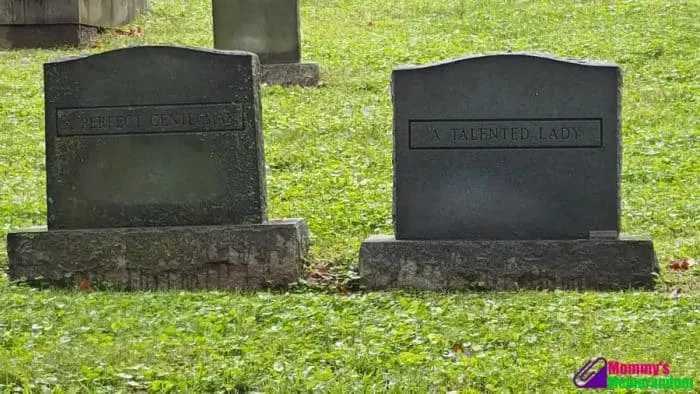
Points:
x=157, y=173
x=301, y=74
x=240, y=257
x=506, y=172
x=269, y=28
x=602, y=264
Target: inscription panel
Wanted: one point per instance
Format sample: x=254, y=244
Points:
x=149, y=119
x=505, y=133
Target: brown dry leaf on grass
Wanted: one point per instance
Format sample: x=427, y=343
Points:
x=458, y=350
x=131, y=31
x=85, y=285
x=319, y=275
x=681, y=264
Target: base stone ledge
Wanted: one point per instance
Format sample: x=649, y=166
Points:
x=46, y=36
x=586, y=264
x=301, y=74
x=232, y=257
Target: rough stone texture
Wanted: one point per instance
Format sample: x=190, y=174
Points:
x=302, y=74
x=50, y=23
x=154, y=136
x=102, y=13
x=269, y=28
x=510, y=146
x=244, y=257
x=45, y=36
x=507, y=265
x=110, y=13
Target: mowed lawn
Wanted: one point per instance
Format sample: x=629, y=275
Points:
x=328, y=153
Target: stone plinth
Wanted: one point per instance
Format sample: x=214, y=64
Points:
x=302, y=74
x=599, y=264
x=270, y=29
x=49, y=23
x=242, y=257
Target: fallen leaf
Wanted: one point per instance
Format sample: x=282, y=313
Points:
x=681, y=264
x=319, y=274
x=85, y=285
x=95, y=45
x=133, y=31
x=370, y=24
x=458, y=350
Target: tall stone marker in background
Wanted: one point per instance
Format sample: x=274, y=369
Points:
x=155, y=176
x=49, y=23
x=506, y=176
x=269, y=28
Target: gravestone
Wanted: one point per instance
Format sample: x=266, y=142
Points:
x=507, y=175
x=269, y=28
x=156, y=175
x=49, y=23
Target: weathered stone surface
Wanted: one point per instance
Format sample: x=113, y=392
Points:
x=101, y=13
x=509, y=146
x=243, y=257
x=50, y=23
x=301, y=74
x=601, y=264
x=45, y=36
x=269, y=28
x=154, y=136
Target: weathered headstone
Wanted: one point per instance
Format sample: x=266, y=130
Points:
x=269, y=28
x=155, y=175
x=506, y=175
x=49, y=23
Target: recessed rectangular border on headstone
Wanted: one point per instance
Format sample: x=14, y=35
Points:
x=181, y=118
x=505, y=133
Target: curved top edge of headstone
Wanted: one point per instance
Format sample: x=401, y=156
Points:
x=132, y=48
x=545, y=57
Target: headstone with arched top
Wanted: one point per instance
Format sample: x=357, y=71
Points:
x=156, y=176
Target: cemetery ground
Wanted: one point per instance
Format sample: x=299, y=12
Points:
x=328, y=152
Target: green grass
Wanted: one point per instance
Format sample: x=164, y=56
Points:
x=328, y=154
x=206, y=341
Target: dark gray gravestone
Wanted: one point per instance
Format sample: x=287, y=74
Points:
x=155, y=176
x=154, y=136
x=269, y=28
x=506, y=147
x=49, y=23
x=511, y=156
